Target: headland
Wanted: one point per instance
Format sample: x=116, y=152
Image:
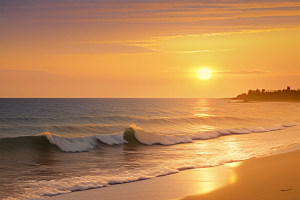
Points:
x=284, y=95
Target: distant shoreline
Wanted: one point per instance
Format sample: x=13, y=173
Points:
x=235, y=98
x=285, y=95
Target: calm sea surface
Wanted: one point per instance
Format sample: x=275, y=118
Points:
x=54, y=146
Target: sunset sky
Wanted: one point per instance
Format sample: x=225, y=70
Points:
x=153, y=48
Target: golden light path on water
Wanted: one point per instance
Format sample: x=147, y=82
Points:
x=203, y=109
x=213, y=178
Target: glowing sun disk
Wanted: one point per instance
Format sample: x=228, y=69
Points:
x=204, y=74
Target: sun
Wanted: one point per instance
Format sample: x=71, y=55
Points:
x=204, y=74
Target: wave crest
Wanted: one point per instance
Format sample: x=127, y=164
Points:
x=137, y=134
x=81, y=144
x=132, y=134
x=150, y=138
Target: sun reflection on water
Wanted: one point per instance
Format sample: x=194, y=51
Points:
x=203, y=108
x=214, y=178
x=233, y=164
x=232, y=174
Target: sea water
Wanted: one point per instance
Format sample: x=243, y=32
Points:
x=54, y=146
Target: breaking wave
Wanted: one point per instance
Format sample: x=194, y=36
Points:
x=132, y=134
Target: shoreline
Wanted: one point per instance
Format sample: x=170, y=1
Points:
x=257, y=176
x=273, y=177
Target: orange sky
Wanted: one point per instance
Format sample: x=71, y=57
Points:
x=139, y=48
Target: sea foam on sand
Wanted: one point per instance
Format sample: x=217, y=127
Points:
x=272, y=177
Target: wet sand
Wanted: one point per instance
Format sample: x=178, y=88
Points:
x=273, y=177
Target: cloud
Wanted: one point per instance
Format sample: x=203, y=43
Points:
x=24, y=72
x=242, y=72
x=192, y=44
x=146, y=11
x=147, y=45
x=106, y=48
x=192, y=51
x=28, y=75
x=116, y=22
x=99, y=48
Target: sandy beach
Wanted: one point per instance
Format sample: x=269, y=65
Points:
x=272, y=177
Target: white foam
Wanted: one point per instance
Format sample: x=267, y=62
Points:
x=275, y=127
x=111, y=139
x=238, y=131
x=256, y=129
x=88, y=143
x=294, y=147
x=78, y=144
x=289, y=124
x=223, y=132
x=149, y=138
x=54, y=187
x=81, y=144
x=204, y=135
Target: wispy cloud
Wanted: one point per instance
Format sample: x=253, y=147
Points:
x=23, y=71
x=100, y=48
x=242, y=72
x=147, y=46
x=193, y=51
x=153, y=22
x=150, y=44
x=159, y=11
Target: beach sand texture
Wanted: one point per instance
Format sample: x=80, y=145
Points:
x=273, y=177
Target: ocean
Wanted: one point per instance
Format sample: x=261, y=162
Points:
x=54, y=146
